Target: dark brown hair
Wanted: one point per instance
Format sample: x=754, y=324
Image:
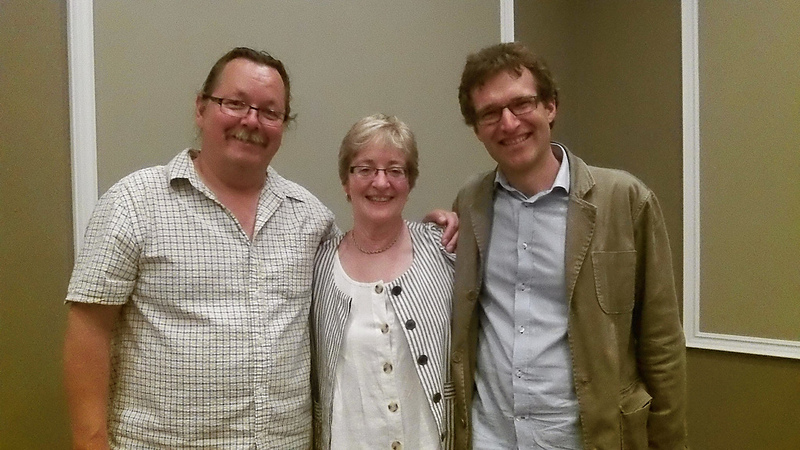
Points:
x=259, y=57
x=509, y=57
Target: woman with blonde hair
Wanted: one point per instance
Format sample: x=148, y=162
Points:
x=380, y=317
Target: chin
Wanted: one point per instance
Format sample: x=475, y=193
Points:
x=381, y=215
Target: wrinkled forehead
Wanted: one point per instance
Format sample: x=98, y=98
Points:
x=245, y=77
x=504, y=86
x=381, y=146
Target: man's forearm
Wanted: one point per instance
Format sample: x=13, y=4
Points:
x=87, y=366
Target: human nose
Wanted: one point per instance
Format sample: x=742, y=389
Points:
x=251, y=119
x=508, y=119
x=380, y=178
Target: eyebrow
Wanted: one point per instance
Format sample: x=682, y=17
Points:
x=242, y=96
x=492, y=106
x=393, y=162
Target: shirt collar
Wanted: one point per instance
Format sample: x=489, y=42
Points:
x=562, y=177
x=182, y=167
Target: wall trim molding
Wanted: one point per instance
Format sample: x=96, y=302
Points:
x=83, y=126
x=83, y=129
x=506, y=20
x=696, y=338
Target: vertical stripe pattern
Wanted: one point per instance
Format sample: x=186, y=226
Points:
x=421, y=298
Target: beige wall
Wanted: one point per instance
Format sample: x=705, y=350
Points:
x=736, y=401
x=35, y=222
x=619, y=67
x=347, y=60
x=749, y=165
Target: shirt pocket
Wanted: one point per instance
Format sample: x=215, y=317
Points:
x=614, y=279
x=287, y=264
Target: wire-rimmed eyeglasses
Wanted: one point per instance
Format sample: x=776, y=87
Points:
x=367, y=172
x=518, y=107
x=239, y=109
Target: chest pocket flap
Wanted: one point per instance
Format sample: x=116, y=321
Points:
x=614, y=278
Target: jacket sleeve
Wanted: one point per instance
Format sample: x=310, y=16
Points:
x=660, y=342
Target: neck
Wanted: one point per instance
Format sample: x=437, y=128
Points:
x=372, y=238
x=232, y=181
x=536, y=179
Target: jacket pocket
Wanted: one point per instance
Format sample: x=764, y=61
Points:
x=634, y=409
x=614, y=278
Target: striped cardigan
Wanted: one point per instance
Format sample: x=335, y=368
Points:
x=421, y=299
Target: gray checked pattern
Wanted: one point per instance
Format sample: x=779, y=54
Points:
x=212, y=346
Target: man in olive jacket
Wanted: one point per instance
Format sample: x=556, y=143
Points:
x=566, y=327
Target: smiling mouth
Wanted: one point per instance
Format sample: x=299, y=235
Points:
x=248, y=137
x=515, y=140
x=378, y=199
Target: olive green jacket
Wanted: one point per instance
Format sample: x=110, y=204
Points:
x=625, y=334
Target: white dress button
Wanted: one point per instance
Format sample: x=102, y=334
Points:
x=378, y=288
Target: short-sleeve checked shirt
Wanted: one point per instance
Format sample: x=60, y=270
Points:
x=212, y=345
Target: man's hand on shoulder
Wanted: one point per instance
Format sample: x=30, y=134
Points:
x=449, y=221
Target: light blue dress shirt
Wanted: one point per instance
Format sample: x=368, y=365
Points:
x=525, y=396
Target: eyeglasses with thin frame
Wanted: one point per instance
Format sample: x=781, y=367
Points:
x=369, y=172
x=519, y=106
x=240, y=109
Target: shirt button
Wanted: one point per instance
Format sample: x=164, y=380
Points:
x=387, y=367
x=385, y=328
x=519, y=373
x=521, y=329
x=410, y=324
x=378, y=288
x=437, y=397
x=393, y=407
x=422, y=360
x=397, y=290
x=396, y=445
x=524, y=245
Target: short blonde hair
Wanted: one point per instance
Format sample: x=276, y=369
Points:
x=381, y=129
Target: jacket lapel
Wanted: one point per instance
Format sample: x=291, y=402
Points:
x=581, y=215
x=481, y=214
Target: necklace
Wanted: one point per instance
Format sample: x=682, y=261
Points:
x=373, y=252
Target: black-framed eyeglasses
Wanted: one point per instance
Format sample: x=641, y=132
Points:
x=367, y=172
x=519, y=106
x=239, y=109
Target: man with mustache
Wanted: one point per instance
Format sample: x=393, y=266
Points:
x=189, y=303
x=566, y=330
